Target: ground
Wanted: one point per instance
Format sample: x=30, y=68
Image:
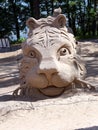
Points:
x=73, y=111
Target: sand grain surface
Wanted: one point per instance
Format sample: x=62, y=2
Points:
x=76, y=111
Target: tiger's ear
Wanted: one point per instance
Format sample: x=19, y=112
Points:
x=60, y=21
x=32, y=23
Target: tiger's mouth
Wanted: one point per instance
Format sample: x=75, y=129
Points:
x=52, y=91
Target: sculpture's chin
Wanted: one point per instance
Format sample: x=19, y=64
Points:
x=52, y=91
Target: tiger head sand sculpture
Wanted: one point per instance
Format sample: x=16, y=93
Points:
x=50, y=61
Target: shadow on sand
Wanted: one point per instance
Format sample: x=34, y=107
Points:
x=89, y=128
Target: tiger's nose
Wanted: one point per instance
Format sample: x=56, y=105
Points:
x=48, y=69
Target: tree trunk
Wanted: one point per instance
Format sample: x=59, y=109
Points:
x=89, y=19
x=15, y=19
x=35, y=9
x=73, y=25
x=82, y=17
x=94, y=28
x=68, y=13
x=52, y=6
x=31, y=8
x=46, y=3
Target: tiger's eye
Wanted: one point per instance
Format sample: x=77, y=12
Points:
x=63, y=51
x=32, y=54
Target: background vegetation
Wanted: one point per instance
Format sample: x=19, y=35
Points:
x=82, y=15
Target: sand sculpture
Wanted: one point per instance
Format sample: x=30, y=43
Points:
x=50, y=61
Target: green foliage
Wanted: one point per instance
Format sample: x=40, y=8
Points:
x=72, y=3
x=92, y=12
x=13, y=17
x=19, y=41
x=82, y=15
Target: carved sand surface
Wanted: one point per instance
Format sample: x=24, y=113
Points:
x=50, y=64
x=70, y=111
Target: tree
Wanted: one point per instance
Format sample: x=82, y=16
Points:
x=14, y=8
x=5, y=26
x=94, y=26
x=82, y=14
x=34, y=8
x=13, y=18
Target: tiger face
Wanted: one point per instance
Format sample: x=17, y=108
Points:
x=50, y=61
